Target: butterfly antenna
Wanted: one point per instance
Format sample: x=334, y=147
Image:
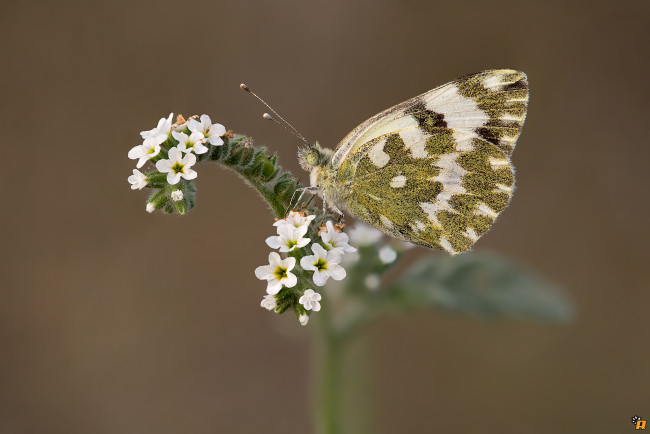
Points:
x=267, y=116
x=298, y=135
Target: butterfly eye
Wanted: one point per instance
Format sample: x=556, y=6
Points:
x=313, y=158
x=309, y=157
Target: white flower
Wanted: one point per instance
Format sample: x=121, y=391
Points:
x=295, y=219
x=268, y=302
x=177, y=166
x=177, y=195
x=324, y=264
x=212, y=132
x=193, y=142
x=151, y=207
x=277, y=273
x=161, y=132
x=138, y=180
x=215, y=134
x=201, y=126
x=144, y=152
x=364, y=235
x=372, y=281
x=304, y=319
x=336, y=240
x=387, y=255
x=288, y=238
x=310, y=299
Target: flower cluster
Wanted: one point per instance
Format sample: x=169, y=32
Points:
x=376, y=254
x=288, y=279
x=173, y=148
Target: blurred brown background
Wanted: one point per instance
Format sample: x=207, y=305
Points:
x=116, y=321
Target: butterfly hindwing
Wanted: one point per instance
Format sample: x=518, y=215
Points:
x=445, y=200
x=435, y=170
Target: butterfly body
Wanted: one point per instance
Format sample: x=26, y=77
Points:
x=434, y=170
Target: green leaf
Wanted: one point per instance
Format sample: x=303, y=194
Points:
x=285, y=299
x=283, y=184
x=481, y=284
x=180, y=207
x=156, y=179
x=234, y=158
x=268, y=170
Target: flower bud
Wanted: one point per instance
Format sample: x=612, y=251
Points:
x=177, y=195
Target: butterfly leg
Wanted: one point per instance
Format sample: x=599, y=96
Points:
x=333, y=207
x=302, y=191
x=339, y=212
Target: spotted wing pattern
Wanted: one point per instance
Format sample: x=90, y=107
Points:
x=435, y=170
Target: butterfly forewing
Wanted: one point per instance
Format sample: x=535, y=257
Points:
x=490, y=104
x=435, y=169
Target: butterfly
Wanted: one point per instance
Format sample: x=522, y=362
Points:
x=434, y=170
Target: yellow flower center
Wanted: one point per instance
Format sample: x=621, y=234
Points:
x=320, y=264
x=280, y=273
x=178, y=168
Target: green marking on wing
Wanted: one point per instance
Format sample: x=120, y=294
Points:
x=503, y=96
x=395, y=192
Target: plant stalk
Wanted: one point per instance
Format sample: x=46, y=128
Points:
x=327, y=370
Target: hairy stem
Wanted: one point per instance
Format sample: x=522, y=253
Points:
x=276, y=204
x=259, y=170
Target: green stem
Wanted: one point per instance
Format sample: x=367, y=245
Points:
x=259, y=170
x=341, y=378
x=328, y=360
x=277, y=206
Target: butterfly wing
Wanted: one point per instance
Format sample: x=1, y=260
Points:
x=490, y=105
x=435, y=170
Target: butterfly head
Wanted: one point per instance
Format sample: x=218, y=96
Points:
x=313, y=156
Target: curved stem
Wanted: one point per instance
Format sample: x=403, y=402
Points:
x=278, y=207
